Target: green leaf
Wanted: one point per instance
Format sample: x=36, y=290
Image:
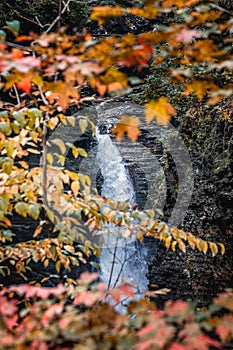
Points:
x=34, y=211
x=3, y=204
x=13, y=27
x=5, y=128
x=19, y=116
x=7, y=165
x=2, y=35
x=21, y=208
x=4, y=114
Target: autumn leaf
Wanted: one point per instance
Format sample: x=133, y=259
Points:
x=177, y=346
x=62, y=93
x=160, y=110
x=25, y=84
x=179, y=3
x=24, y=38
x=103, y=13
x=124, y=290
x=112, y=80
x=200, y=88
x=187, y=35
x=148, y=11
x=139, y=56
x=128, y=125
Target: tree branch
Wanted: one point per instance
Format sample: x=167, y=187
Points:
x=58, y=17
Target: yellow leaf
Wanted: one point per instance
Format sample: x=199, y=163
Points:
x=168, y=242
x=182, y=246
x=23, y=164
x=75, y=151
x=52, y=123
x=140, y=236
x=61, y=160
x=49, y=158
x=128, y=125
x=71, y=120
x=37, y=80
x=202, y=245
x=160, y=110
x=33, y=150
x=82, y=152
x=222, y=248
x=60, y=144
x=75, y=186
x=83, y=125
x=213, y=248
x=174, y=246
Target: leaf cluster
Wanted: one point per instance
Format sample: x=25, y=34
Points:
x=85, y=316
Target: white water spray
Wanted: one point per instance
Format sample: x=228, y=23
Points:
x=123, y=259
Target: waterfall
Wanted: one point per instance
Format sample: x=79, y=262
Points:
x=121, y=259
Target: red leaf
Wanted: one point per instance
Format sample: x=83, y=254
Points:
x=176, y=346
x=88, y=298
x=25, y=84
x=125, y=290
x=87, y=277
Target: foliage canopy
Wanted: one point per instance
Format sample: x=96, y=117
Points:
x=42, y=78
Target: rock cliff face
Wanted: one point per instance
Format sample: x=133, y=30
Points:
x=193, y=275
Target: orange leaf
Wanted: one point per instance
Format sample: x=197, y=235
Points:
x=148, y=11
x=160, y=110
x=24, y=38
x=128, y=125
x=103, y=13
x=200, y=88
x=25, y=84
x=179, y=3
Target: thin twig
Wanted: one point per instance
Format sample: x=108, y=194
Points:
x=113, y=263
x=220, y=8
x=25, y=48
x=42, y=95
x=44, y=162
x=17, y=95
x=58, y=17
x=59, y=14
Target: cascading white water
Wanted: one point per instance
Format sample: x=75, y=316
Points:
x=123, y=259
